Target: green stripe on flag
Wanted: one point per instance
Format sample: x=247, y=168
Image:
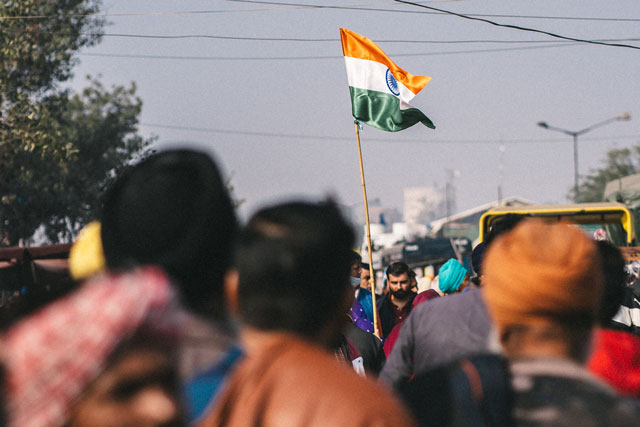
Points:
x=382, y=111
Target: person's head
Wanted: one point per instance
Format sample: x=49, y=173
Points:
x=501, y=225
x=138, y=387
x=414, y=280
x=365, y=276
x=355, y=261
x=102, y=356
x=399, y=281
x=293, y=263
x=615, y=277
x=543, y=285
x=476, y=261
x=452, y=277
x=173, y=210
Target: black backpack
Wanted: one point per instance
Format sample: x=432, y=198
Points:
x=474, y=392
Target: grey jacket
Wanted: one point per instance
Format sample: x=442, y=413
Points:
x=438, y=332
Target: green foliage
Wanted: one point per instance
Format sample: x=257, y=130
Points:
x=58, y=150
x=38, y=39
x=618, y=163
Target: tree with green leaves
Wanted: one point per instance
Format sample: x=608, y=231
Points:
x=58, y=150
x=619, y=163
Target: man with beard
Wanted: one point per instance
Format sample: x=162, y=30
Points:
x=396, y=305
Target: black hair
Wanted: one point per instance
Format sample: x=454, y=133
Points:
x=614, y=281
x=397, y=268
x=477, y=257
x=293, y=263
x=173, y=210
x=502, y=225
x=355, y=258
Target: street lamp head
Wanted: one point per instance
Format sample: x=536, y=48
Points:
x=543, y=125
x=624, y=116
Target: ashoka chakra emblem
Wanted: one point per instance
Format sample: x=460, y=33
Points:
x=392, y=84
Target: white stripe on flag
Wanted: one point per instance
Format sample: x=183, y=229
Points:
x=372, y=75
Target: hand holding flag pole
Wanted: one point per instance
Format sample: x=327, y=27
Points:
x=380, y=94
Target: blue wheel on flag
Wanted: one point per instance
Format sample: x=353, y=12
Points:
x=392, y=84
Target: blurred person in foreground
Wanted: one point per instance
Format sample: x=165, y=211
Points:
x=616, y=351
x=543, y=288
x=291, y=291
x=101, y=356
x=173, y=210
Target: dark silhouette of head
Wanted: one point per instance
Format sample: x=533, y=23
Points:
x=173, y=210
x=293, y=262
x=614, y=281
x=501, y=225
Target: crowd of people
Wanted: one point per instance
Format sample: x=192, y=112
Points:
x=183, y=316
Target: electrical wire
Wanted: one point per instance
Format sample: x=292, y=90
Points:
x=516, y=27
x=297, y=58
x=332, y=40
x=134, y=14
x=312, y=6
x=394, y=140
x=437, y=12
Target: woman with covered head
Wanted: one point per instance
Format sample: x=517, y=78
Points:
x=102, y=356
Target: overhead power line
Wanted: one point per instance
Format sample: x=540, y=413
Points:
x=516, y=27
x=437, y=12
x=298, y=58
x=331, y=40
x=308, y=6
x=134, y=14
x=294, y=58
x=407, y=140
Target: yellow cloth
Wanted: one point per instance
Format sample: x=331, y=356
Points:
x=86, y=257
x=543, y=273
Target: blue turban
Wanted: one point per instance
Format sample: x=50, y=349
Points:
x=451, y=275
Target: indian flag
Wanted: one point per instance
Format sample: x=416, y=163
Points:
x=380, y=90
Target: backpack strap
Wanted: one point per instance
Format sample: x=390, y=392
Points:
x=481, y=390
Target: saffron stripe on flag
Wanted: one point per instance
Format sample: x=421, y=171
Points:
x=356, y=46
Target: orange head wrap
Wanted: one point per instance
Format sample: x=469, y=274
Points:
x=543, y=274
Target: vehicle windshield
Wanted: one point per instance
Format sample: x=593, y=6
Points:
x=599, y=221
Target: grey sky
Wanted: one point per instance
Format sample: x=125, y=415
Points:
x=476, y=99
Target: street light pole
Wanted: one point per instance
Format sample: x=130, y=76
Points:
x=576, y=134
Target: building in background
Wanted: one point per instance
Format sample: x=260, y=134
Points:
x=423, y=204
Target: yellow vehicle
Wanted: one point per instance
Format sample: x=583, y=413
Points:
x=614, y=218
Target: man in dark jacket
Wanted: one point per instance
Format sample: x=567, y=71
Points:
x=396, y=305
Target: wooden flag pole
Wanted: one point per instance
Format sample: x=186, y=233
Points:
x=376, y=329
